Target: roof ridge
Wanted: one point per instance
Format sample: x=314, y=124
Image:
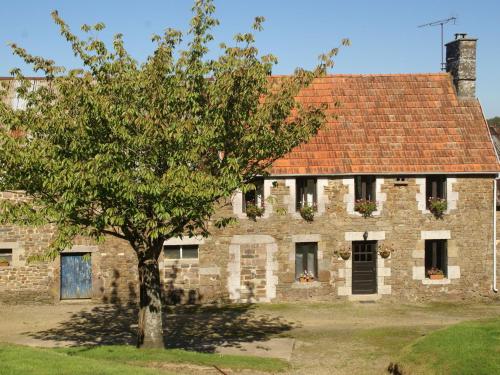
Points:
x=372, y=75
x=325, y=76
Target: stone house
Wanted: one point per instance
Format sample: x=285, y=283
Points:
x=411, y=151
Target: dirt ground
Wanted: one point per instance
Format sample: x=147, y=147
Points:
x=320, y=338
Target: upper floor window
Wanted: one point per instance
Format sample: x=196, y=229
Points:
x=181, y=252
x=255, y=197
x=498, y=195
x=364, y=187
x=435, y=187
x=306, y=192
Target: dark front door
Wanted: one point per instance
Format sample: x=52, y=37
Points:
x=364, y=267
x=76, y=276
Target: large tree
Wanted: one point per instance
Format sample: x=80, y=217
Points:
x=146, y=151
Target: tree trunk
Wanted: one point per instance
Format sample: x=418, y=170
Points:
x=150, y=328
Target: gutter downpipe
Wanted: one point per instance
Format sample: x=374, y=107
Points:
x=494, y=287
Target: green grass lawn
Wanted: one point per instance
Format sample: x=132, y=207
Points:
x=123, y=360
x=465, y=348
x=15, y=360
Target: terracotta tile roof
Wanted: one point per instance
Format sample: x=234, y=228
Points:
x=404, y=123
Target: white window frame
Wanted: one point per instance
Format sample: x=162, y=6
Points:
x=181, y=250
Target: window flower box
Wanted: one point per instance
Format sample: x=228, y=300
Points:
x=435, y=274
x=436, y=277
x=365, y=207
x=306, y=277
x=437, y=206
x=253, y=211
x=307, y=211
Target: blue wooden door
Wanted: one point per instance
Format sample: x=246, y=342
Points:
x=76, y=276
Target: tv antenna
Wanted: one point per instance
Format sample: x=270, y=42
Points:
x=441, y=23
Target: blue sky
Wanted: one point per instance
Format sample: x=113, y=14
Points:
x=384, y=33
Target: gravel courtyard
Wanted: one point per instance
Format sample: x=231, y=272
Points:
x=321, y=338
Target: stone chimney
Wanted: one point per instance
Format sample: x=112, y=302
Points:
x=461, y=63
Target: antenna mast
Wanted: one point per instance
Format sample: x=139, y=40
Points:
x=441, y=23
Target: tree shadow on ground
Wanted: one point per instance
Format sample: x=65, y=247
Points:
x=190, y=327
x=199, y=328
x=203, y=328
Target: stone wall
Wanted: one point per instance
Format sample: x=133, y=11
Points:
x=255, y=260
x=114, y=265
x=401, y=221
x=23, y=281
x=461, y=63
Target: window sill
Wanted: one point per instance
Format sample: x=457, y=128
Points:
x=181, y=261
x=309, y=285
x=444, y=281
x=376, y=213
x=243, y=216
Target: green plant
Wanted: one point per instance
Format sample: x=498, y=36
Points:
x=365, y=207
x=437, y=206
x=253, y=211
x=159, y=144
x=281, y=211
x=307, y=212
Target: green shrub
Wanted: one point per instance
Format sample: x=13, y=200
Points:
x=438, y=206
x=253, y=211
x=307, y=212
x=365, y=207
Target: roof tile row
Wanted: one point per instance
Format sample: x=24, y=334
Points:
x=410, y=123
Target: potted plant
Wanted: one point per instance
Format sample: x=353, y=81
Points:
x=437, y=206
x=365, y=207
x=344, y=253
x=307, y=211
x=4, y=262
x=306, y=277
x=385, y=251
x=435, y=273
x=253, y=211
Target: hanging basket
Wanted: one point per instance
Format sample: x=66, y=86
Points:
x=345, y=256
x=385, y=254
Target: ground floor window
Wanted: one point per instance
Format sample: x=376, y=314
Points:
x=5, y=257
x=436, y=258
x=181, y=252
x=306, y=260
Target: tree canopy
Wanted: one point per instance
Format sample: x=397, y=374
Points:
x=145, y=151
